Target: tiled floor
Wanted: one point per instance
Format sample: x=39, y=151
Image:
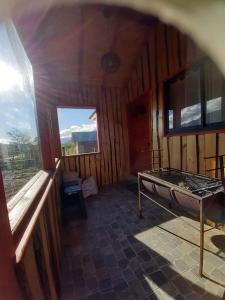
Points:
x=115, y=255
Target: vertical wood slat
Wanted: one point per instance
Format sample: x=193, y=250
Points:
x=165, y=161
x=53, y=219
x=93, y=167
x=56, y=210
x=66, y=164
x=117, y=141
x=102, y=139
x=152, y=62
x=158, y=73
x=82, y=166
x=134, y=83
x=45, y=245
x=210, y=150
x=173, y=50
x=98, y=169
x=140, y=76
x=161, y=53
x=201, y=141
x=191, y=154
x=108, y=174
x=87, y=165
x=146, y=75
x=111, y=120
x=120, y=134
x=31, y=278
x=125, y=139
x=170, y=149
x=130, y=92
x=77, y=164
x=176, y=151
x=72, y=163
x=184, y=152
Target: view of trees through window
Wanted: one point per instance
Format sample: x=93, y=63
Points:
x=20, y=156
x=78, y=130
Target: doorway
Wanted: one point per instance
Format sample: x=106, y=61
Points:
x=139, y=129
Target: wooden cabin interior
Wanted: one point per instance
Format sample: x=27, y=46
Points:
x=155, y=101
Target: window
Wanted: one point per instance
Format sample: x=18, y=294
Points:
x=20, y=157
x=214, y=94
x=78, y=130
x=194, y=99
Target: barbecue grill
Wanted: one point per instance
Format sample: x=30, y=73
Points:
x=193, y=192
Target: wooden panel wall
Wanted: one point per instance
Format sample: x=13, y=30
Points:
x=166, y=53
x=39, y=252
x=111, y=164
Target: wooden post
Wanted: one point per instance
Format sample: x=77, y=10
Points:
x=44, y=127
x=9, y=288
x=55, y=134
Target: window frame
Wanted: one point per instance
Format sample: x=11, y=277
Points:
x=198, y=128
x=80, y=106
x=12, y=34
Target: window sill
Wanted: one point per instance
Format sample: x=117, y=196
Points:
x=194, y=132
x=83, y=154
x=19, y=205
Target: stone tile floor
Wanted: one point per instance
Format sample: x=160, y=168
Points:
x=115, y=255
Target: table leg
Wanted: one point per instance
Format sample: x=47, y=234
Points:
x=139, y=198
x=202, y=219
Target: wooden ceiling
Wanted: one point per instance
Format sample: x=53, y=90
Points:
x=67, y=43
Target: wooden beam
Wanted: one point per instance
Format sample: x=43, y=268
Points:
x=44, y=126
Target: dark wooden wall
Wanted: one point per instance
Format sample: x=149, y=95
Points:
x=166, y=53
x=111, y=164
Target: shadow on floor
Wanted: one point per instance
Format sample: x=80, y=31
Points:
x=115, y=255
x=219, y=242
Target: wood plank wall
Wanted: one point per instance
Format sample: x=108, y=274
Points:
x=166, y=53
x=38, y=253
x=111, y=164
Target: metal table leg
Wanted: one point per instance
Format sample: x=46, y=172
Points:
x=139, y=198
x=202, y=219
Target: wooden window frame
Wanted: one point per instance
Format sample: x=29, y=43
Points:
x=219, y=126
x=77, y=106
x=19, y=212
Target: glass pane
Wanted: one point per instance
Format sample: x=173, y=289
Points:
x=170, y=119
x=191, y=111
x=78, y=130
x=185, y=101
x=19, y=143
x=215, y=106
x=191, y=115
